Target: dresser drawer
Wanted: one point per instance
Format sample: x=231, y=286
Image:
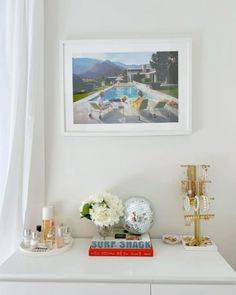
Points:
x=193, y=289
x=25, y=288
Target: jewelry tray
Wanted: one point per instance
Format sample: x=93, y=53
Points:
x=212, y=247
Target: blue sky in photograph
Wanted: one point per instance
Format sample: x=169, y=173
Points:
x=123, y=57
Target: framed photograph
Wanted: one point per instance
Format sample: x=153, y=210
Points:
x=126, y=87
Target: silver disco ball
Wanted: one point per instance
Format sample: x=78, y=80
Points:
x=138, y=215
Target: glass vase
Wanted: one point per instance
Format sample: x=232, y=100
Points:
x=105, y=231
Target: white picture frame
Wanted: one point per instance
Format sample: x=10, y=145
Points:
x=104, y=55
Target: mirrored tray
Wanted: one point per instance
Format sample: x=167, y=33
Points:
x=56, y=251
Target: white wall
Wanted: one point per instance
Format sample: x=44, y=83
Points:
x=148, y=166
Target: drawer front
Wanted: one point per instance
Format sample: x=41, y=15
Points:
x=193, y=289
x=26, y=288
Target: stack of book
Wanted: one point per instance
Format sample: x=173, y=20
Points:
x=121, y=243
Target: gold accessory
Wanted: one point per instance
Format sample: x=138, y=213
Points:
x=194, y=188
x=187, y=205
x=196, y=203
x=206, y=203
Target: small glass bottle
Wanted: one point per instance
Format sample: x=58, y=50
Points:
x=59, y=237
x=26, y=237
x=67, y=235
x=39, y=232
x=49, y=240
x=34, y=240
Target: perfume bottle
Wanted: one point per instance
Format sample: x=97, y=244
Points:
x=59, y=237
x=47, y=221
x=26, y=237
x=49, y=240
x=34, y=240
x=39, y=232
x=67, y=235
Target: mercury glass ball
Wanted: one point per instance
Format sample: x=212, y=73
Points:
x=138, y=215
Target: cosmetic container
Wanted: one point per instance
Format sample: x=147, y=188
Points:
x=49, y=240
x=67, y=235
x=26, y=237
x=48, y=222
x=34, y=240
x=59, y=237
x=39, y=232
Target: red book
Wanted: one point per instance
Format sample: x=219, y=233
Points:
x=120, y=251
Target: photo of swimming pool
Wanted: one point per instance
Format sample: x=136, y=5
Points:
x=125, y=87
x=116, y=92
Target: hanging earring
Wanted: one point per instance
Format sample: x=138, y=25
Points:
x=187, y=220
x=196, y=203
x=203, y=188
x=190, y=192
x=186, y=204
x=206, y=203
x=204, y=172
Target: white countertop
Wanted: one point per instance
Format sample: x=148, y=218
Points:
x=170, y=264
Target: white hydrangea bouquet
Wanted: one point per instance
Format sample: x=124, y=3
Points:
x=104, y=209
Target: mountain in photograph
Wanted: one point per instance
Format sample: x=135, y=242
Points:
x=120, y=64
x=105, y=68
x=92, y=68
x=82, y=65
x=124, y=66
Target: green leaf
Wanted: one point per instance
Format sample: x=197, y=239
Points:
x=86, y=216
x=85, y=210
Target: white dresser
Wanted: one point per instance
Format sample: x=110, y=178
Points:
x=172, y=270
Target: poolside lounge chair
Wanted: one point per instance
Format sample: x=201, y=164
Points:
x=95, y=107
x=157, y=107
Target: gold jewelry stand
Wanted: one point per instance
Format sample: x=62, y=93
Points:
x=194, y=191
